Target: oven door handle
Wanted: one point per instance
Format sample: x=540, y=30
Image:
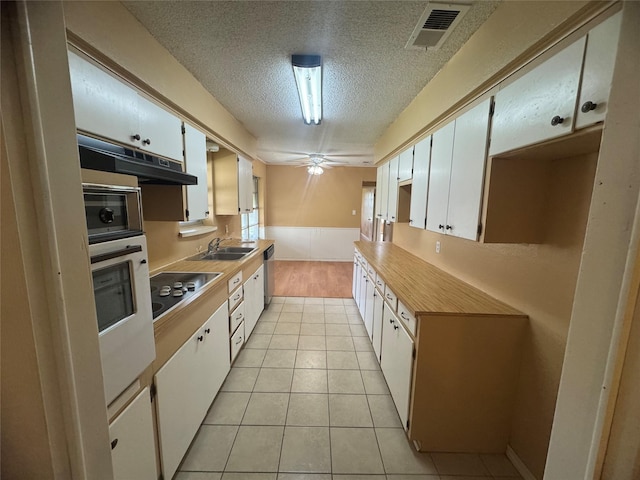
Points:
x=128, y=250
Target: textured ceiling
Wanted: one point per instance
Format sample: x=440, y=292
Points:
x=240, y=51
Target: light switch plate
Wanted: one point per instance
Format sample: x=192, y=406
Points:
x=438, y=246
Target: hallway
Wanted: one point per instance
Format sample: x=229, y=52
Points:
x=306, y=400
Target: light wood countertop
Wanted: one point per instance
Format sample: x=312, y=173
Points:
x=425, y=289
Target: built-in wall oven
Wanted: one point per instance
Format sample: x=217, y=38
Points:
x=120, y=273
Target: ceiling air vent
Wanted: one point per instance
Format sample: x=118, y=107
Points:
x=435, y=25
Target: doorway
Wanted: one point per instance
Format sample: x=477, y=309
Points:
x=366, y=211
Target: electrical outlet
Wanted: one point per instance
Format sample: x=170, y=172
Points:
x=438, y=246
x=226, y=229
x=353, y=212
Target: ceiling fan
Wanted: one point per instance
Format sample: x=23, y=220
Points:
x=316, y=162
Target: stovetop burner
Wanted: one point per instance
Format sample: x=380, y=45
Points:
x=170, y=288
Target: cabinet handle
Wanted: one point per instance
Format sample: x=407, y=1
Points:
x=395, y=327
x=557, y=120
x=588, y=106
x=200, y=338
x=410, y=221
x=389, y=297
x=135, y=137
x=237, y=297
x=239, y=340
x=146, y=141
x=114, y=442
x=374, y=294
x=403, y=316
x=236, y=281
x=449, y=227
x=207, y=331
x=239, y=317
x=440, y=226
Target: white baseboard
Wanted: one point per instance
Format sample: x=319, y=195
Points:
x=524, y=472
x=313, y=243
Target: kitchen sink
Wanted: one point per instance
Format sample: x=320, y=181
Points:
x=245, y=250
x=224, y=253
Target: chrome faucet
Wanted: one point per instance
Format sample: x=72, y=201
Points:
x=214, y=245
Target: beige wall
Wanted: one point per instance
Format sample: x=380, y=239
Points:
x=538, y=280
x=297, y=199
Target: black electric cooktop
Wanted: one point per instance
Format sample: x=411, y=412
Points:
x=170, y=288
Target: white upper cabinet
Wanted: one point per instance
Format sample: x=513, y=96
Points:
x=378, y=202
x=419, y=186
x=600, y=56
x=439, y=174
x=405, y=165
x=383, y=191
x=540, y=105
x=458, y=158
x=107, y=107
x=102, y=104
x=160, y=131
x=195, y=154
x=467, y=172
x=392, y=208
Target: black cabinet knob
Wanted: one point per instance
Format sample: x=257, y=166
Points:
x=114, y=443
x=441, y=227
x=557, y=120
x=200, y=338
x=135, y=137
x=449, y=227
x=146, y=141
x=395, y=327
x=208, y=330
x=143, y=261
x=588, y=106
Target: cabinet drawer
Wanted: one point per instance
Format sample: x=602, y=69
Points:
x=363, y=262
x=235, y=281
x=237, y=340
x=408, y=320
x=391, y=298
x=235, y=298
x=372, y=273
x=236, y=317
x=380, y=285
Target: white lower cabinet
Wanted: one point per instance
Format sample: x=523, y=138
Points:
x=362, y=290
x=378, y=305
x=254, y=300
x=396, y=362
x=237, y=341
x=369, y=306
x=133, y=452
x=187, y=384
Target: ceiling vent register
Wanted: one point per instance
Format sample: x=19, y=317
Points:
x=435, y=25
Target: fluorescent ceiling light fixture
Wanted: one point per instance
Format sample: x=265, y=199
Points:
x=315, y=170
x=308, y=72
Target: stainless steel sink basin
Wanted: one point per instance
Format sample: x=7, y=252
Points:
x=218, y=256
x=224, y=253
x=245, y=250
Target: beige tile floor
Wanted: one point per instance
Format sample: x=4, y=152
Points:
x=306, y=400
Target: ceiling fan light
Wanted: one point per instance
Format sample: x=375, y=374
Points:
x=307, y=70
x=315, y=170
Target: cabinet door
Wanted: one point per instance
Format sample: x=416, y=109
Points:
x=392, y=208
x=236, y=341
x=356, y=278
x=245, y=185
x=405, y=165
x=369, y=306
x=420, y=184
x=524, y=110
x=185, y=389
x=378, y=304
x=439, y=175
x=161, y=131
x=396, y=362
x=215, y=361
x=103, y=105
x=133, y=450
x=597, y=73
x=254, y=300
x=467, y=172
x=195, y=155
x=362, y=291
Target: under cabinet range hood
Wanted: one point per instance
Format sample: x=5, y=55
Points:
x=109, y=157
